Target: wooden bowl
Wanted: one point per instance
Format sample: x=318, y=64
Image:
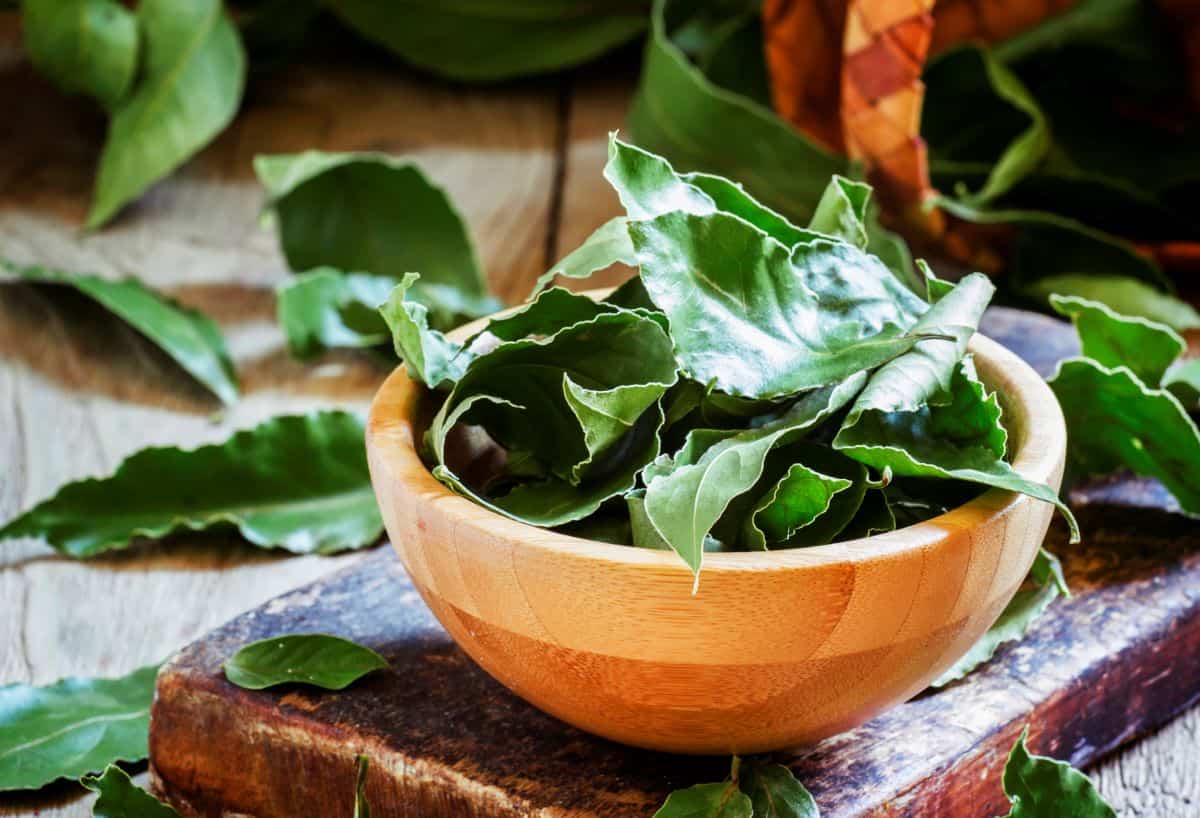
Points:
x=777, y=649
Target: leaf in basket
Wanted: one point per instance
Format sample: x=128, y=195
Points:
x=607, y=245
x=810, y=503
x=119, y=797
x=294, y=482
x=193, y=70
x=189, y=337
x=316, y=659
x=83, y=46
x=72, y=727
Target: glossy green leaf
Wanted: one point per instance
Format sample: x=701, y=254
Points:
x=119, y=797
x=488, y=40
x=609, y=351
x=935, y=287
x=809, y=317
x=552, y=310
x=83, y=46
x=316, y=659
x=1044, y=585
x=956, y=436
x=608, y=245
x=1041, y=787
x=707, y=801
x=795, y=502
x=842, y=211
x=193, y=70
x=1127, y=296
x=72, y=727
x=686, y=494
x=429, y=356
x=607, y=415
x=188, y=336
x=775, y=792
x=680, y=114
x=294, y=482
x=369, y=212
x=1111, y=340
x=1118, y=422
x=362, y=809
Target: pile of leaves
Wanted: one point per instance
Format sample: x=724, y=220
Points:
x=757, y=385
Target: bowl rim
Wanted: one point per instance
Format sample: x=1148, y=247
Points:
x=1040, y=450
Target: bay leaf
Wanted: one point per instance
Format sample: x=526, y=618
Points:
x=723, y=800
x=490, y=40
x=607, y=245
x=119, y=797
x=842, y=211
x=368, y=212
x=294, y=482
x=72, y=727
x=1111, y=340
x=429, y=356
x=317, y=659
x=188, y=336
x=1127, y=424
x=1125, y=295
x=193, y=70
x=82, y=46
x=1042, y=787
x=775, y=792
x=809, y=502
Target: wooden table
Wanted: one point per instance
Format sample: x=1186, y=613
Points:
x=78, y=391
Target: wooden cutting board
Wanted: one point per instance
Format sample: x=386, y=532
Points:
x=1117, y=659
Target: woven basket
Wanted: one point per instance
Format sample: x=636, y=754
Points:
x=848, y=74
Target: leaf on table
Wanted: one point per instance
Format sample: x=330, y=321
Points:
x=369, y=212
x=680, y=114
x=362, y=808
x=1041, y=787
x=956, y=435
x=607, y=245
x=316, y=659
x=72, y=727
x=192, y=74
x=723, y=800
x=82, y=46
x=687, y=493
x=1127, y=296
x=295, y=482
x=188, y=336
x=1118, y=422
x=775, y=792
x=119, y=797
x=1111, y=340
x=1044, y=584
x=808, y=317
x=490, y=40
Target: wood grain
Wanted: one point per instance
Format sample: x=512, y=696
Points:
x=78, y=391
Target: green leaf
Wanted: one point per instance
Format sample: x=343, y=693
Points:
x=807, y=318
x=429, y=356
x=368, y=212
x=723, y=800
x=1183, y=381
x=192, y=72
x=842, y=211
x=294, y=482
x=935, y=287
x=489, y=40
x=1127, y=296
x=608, y=245
x=607, y=415
x=72, y=727
x=1044, y=585
x=687, y=494
x=552, y=310
x=1119, y=422
x=775, y=792
x=119, y=797
x=802, y=496
x=316, y=659
x=1041, y=787
x=1111, y=340
x=189, y=337
x=956, y=436
x=678, y=113
x=362, y=809
x=82, y=46
x=874, y=516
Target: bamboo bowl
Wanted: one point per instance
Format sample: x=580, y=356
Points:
x=777, y=649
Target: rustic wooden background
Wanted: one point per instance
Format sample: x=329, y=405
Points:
x=78, y=391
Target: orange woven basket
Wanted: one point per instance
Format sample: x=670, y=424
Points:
x=848, y=74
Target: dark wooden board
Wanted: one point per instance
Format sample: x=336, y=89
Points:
x=1114, y=661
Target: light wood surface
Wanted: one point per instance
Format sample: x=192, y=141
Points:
x=613, y=640
x=78, y=391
